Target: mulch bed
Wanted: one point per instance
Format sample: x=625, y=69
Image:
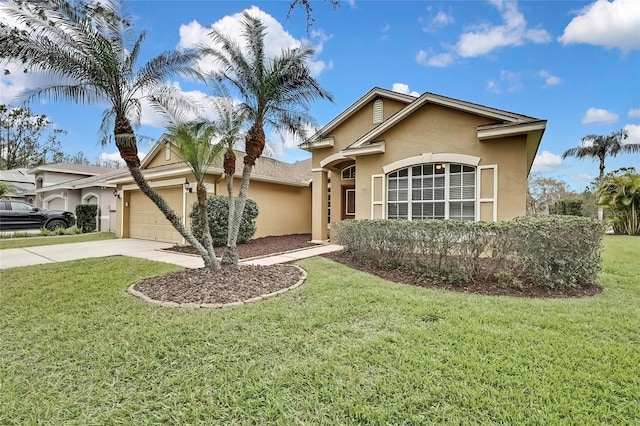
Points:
x=227, y=285
x=260, y=246
x=245, y=282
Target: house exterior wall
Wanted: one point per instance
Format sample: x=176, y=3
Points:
x=106, y=220
x=438, y=129
x=502, y=163
x=283, y=209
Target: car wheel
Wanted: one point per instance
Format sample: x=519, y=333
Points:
x=55, y=224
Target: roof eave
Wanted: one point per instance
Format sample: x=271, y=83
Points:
x=369, y=96
x=510, y=130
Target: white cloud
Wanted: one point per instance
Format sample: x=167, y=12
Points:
x=609, y=24
x=106, y=157
x=583, y=177
x=440, y=60
x=597, y=115
x=634, y=133
x=443, y=19
x=549, y=79
x=513, y=32
x=276, y=38
x=634, y=113
x=509, y=82
x=546, y=162
x=433, y=23
x=404, y=88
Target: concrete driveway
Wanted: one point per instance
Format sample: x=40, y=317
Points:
x=11, y=258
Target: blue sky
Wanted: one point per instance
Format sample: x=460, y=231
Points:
x=573, y=63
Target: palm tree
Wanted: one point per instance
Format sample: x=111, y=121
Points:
x=193, y=143
x=231, y=120
x=274, y=92
x=92, y=49
x=601, y=147
x=621, y=194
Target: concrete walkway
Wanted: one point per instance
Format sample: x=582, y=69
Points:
x=152, y=250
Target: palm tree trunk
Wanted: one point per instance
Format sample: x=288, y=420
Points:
x=230, y=255
x=201, y=191
x=601, y=176
x=126, y=144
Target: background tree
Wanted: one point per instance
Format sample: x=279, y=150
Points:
x=306, y=4
x=27, y=139
x=274, y=92
x=93, y=50
x=602, y=147
x=544, y=191
x=77, y=158
x=620, y=194
x=5, y=189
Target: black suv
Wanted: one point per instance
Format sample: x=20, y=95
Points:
x=21, y=215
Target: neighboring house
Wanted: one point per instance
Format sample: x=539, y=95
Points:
x=63, y=186
x=395, y=156
x=281, y=190
x=21, y=184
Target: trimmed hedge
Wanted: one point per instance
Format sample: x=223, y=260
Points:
x=86, y=217
x=218, y=213
x=551, y=251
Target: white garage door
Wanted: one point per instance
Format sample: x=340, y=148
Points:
x=147, y=222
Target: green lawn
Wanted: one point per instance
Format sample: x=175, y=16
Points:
x=344, y=348
x=54, y=239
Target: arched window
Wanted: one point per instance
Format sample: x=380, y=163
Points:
x=349, y=173
x=432, y=191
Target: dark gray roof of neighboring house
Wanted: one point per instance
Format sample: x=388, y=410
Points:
x=80, y=169
x=97, y=180
x=20, y=181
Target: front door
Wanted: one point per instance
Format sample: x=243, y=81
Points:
x=348, y=202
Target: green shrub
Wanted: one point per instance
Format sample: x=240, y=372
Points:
x=553, y=251
x=218, y=214
x=567, y=207
x=44, y=232
x=86, y=217
x=73, y=230
x=559, y=251
x=20, y=235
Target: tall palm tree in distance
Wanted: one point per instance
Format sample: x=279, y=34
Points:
x=274, y=92
x=602, y=147
x=92, y=51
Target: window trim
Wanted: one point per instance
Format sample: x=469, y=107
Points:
x=351, y=167
x=447, y=190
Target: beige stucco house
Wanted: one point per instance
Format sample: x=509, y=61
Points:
x=281, y=190
x=391, y=155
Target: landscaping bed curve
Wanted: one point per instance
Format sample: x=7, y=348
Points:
x=235, y=286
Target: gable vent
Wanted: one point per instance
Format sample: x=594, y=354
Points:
x=377, y=112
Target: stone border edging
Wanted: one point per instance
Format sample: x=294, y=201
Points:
x=148, y=299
